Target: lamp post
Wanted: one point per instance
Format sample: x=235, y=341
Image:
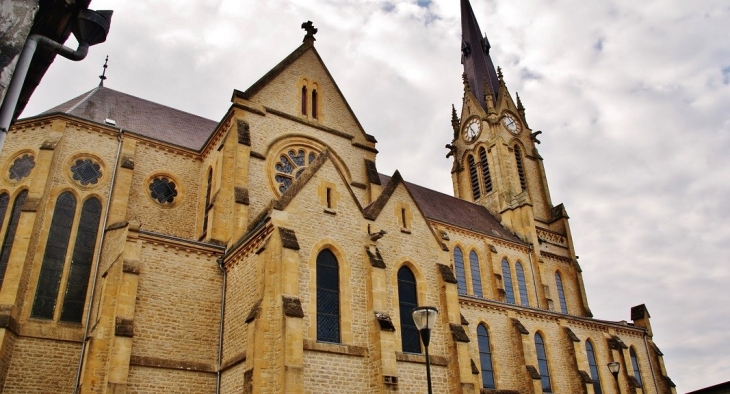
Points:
x=425, y=319
x=615, y=367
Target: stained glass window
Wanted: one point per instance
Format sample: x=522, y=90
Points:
x=460, y=272
x=520, y=170
x=485, y=170
x=474, y=177
x=291, y=165
x=163, y=190
x=7, y=245
x=485, y=357
x=54, y=257
x=83, y=254
x=542, y=363
x=476, y=278
x=407, y=300
x=22, y=167
x=635, y=365
x=86, y=172
x=594, y=368
x=328, y=297
x=507, y=279
x=561, y=293
x=522, y=285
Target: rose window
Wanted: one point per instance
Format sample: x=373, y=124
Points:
x=290, y=165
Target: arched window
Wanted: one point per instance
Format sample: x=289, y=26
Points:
x=507, y=279
x=460, y=272
x=314, y=103
x=520, y=170
x=485, y=170
x=328, y=297
x=543, y=364
x=476, y=277
x=561, y=293
x=206, y=209
x=635, y=365
x=12, y=221
x=407, y=300
x=474, y=176
x=485, y=357
x=304, y=100
x=594, y=368
x=83, y=255
x=522, y=285
x=54, y=257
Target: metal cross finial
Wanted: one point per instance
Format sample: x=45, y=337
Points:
x=308, y=26
x=102, y=77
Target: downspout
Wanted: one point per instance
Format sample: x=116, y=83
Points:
x=220, y=331
x=100, y=242
x=21, y=71
x=534, y=279
x=651, y=365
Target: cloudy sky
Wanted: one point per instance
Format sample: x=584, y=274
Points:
x=633, y=98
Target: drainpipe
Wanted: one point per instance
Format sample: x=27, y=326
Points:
x=100, y=242
x=534, y=279
x=651, y=364
x=220, y=331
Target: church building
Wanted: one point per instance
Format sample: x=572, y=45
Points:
x=149, y=250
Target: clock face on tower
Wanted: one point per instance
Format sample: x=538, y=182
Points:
x=511, y=124
x=472, y=128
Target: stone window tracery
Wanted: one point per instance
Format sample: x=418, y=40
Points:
x=21, y=167
x=86, y=172
x=291, y=164
x=163, y=190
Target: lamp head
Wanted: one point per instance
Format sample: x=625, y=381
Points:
x=425, y=317
x=92, y=27
x=614, y=367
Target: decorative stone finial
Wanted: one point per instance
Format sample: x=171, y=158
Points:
x=455, y=122
x=308, y=26
x=499, y=75
x=519, y=103
x=466, y=81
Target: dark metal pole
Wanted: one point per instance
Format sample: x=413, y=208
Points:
x=426, y=337
x=615, y=377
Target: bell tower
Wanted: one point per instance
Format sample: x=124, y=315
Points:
x=496, y=162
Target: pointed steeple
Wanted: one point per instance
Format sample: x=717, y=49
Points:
x=478, y=65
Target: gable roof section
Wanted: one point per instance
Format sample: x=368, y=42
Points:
x=455, y=211
x=139, y=116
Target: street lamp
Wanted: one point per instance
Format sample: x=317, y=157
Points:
x=425, y=319
x=615, y=367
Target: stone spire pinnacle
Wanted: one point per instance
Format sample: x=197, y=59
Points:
x=475, y=57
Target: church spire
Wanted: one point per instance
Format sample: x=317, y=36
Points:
x=478, y=65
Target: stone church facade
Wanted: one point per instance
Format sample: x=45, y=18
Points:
x=148, y=250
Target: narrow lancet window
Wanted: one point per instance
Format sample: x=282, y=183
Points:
x=561, y=293
x=520, y=170
x=507, y=279
x=407, y=300
x=635, y=365
x=485, y=170
x=460, y=271
x=474, y=176
x=522, y=285
x=485, y=357
x=328, y=297
x=476, y=274
x=593, y=366
x=206, y=209
x=304, y=100
x=542, y=363
x=13, y=220
x=314, y=103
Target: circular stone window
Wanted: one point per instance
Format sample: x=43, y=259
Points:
x=21, y=167
x=86, y=172
x=290, y=165
x=163, y=190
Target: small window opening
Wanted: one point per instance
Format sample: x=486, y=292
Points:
x=474, y=177
x=520, y=170
x=304, y=100
x=314, y=103
x=403, y=217
x=329, y=197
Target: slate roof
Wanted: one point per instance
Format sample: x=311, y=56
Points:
x=478, y=65
x=140, y=116
x=456, y=212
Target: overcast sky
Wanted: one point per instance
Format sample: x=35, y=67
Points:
x=633, y=98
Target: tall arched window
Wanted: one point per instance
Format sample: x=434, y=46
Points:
x=476, y=274
x=12, y=221
x=522, y=285
x=561, y=293
x=460, y=272
x=485, y=170
x=594, y=368
x=407, y=300
x=485, y=357
x=83, y=255
x=635, y=365
x=207, y=207
x=54, y=257
x=304, y=100
x=520, y=170
x=543, y=364
x=507, y=279
x=328, y=297
x=474, y=176
x=314, y=103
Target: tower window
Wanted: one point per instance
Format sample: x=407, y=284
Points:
x=594, y=368
x=542, y=363
x=460, y=272
x=328, y=297
x=13, y=220
x=474, y=176
x=476, y=277
x=635, y=365
x=561, y=293
x=485, y=170
x=304, y=100
x=520, y=170
x=407, y=300
x=507, y=279
x=522, y=285
x=485, y=357
x=314, y=103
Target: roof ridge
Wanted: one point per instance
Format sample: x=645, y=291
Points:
x=83, y=100
x=155, y=103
